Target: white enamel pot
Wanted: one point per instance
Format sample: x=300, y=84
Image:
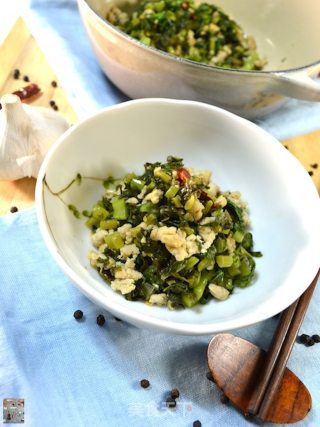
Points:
x=287, y=34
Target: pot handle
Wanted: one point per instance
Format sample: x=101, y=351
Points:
x=300, y=84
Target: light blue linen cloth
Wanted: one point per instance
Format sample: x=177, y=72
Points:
x=75, y=373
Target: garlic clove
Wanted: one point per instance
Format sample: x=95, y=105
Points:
x=47, y=126
x=26, y=164
x=26, y=134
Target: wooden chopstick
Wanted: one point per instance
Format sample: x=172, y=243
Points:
x=279, y=352
x=271, y=358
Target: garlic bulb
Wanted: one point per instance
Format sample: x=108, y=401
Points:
x=26, y=134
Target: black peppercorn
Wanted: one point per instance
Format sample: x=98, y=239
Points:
x=101, y=320
x=316, y=338
x=171, y=403
x=55, y=107
x=117, y=319
x=26, y=78
x=209, y=376
x=144, y=383
x=224, y=399
x=13, y=209
x=196, y=423
x=54, y=83
x=16, y=73
x=304, y=338
x=78, y=314
x=310, y=173
x=310, y=342
x=175, y=393
x=52, y=103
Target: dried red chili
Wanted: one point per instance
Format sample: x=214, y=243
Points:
x=27, y=91
x=183, y=175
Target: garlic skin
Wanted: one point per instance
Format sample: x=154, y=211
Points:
x=26, y=134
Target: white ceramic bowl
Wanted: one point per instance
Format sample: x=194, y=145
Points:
x=287, y=33
x=284, y=204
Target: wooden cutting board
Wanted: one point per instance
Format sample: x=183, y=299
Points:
x=20, y=50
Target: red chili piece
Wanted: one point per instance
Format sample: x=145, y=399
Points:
x=183, y=176
x=27, y=91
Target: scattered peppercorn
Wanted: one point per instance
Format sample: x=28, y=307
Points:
x=144, y=383
x=285, y=146
x=52, y=103
x=26, y=78
x=78, y=314
x=209, y=376
x=0, y=106
x=304, y=338
x=54, y=83
x=171, y=403
x=310, y=173
x=16, y=73
x=310, y=342
x=224, y=399
x=314, y=165
x=55, y=107
x=13, y=209
x=197, y=423
x=175, y=393
x=117, y=319
x=101, y=320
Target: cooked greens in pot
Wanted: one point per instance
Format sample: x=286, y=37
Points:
x=202, y=33
x=171, y=237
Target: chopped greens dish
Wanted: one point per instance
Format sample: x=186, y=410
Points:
x=201, y=33
x=171, y=237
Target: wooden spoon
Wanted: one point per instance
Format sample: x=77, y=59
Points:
x=258, y=383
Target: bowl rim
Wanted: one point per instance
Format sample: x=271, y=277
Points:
x=133, y=316
x=189, y=62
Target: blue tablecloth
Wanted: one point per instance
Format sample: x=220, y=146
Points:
x=76, y=373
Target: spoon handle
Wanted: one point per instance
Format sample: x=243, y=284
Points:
x=278, y=355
